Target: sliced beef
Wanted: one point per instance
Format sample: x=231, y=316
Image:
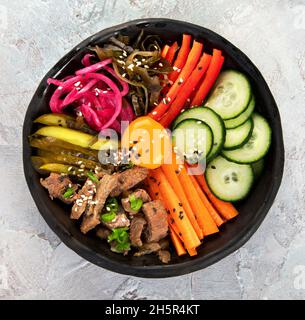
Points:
x=120, y=221
x=92, y=215
x=136, y=229
x=128, y=179
x=103, y=233
x=57, y=185
x=156, y=217
x=139, y=193
x=83, y=198
x=164, y=256
x=148, y=248
x=164, y=244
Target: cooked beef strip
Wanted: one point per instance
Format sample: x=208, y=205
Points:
x=164, y=243
x=84, y=196
x=92, y=215
x=57, y=185
x=148, y=248
x=164, y=256
x=103, y=233
x=136, y=229
x=139, y=193
x=156, y=217
x=128, y=179
x=119, y=221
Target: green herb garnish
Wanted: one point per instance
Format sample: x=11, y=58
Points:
x=69, y=192
x=135, y=203
x=121, y=238
x=107, y=217
x=92, y=176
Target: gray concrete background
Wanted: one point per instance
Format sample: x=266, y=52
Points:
x=34, y=264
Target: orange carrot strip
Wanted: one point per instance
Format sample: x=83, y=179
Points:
x=214, y=214
x=205, y=221
x=178, y=214
x=186, y=90
x=190, y=64
x=177, y=243
x=181, y=57
x=165, y=51
x=210, y=78
x=172, y=178
x=179, y=62
x=192, y=252
x=171, y=52
x=226, y=209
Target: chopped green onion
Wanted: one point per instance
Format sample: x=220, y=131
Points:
x=121, y=238
x=135, y=203
x=92, y=176
x=69, y=192
x=107, y=217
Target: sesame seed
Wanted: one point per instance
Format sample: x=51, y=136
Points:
x=154, y=113
x=161, y=64
x=146, y=66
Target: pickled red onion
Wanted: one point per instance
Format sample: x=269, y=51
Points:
x=97, y=96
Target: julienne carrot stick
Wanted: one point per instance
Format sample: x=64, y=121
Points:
x=205, y=221
x=226, y=209
x=186, y=90
x=181, y=57
x=153, y=189
x=190, y=64
x=171, y=52
x=165, y=51
x=179, y=62
x=192, y=252
x=213, y=213
x=177, y=243
x=176, y=211
x=172, y=178
x=210, y=78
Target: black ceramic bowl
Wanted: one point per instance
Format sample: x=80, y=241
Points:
x=234, y=234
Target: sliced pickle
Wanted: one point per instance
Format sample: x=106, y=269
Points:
x=68, y=159
x=62, y=147
x=64, y=120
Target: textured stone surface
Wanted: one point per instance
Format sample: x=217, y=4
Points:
x=33, y=261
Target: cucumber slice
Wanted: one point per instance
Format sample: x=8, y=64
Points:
x=243, y=117
x=257, y=146
x=193, y=139
x=212, y=119
x=237, y=137
x=229, y=181
x=258, y=168
x=231, y=94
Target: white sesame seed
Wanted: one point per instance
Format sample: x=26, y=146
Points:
x=59, y=88
x=161, y=64
x=146, y=66
x=154, y=112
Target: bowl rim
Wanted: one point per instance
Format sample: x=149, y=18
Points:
x=155, y=271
